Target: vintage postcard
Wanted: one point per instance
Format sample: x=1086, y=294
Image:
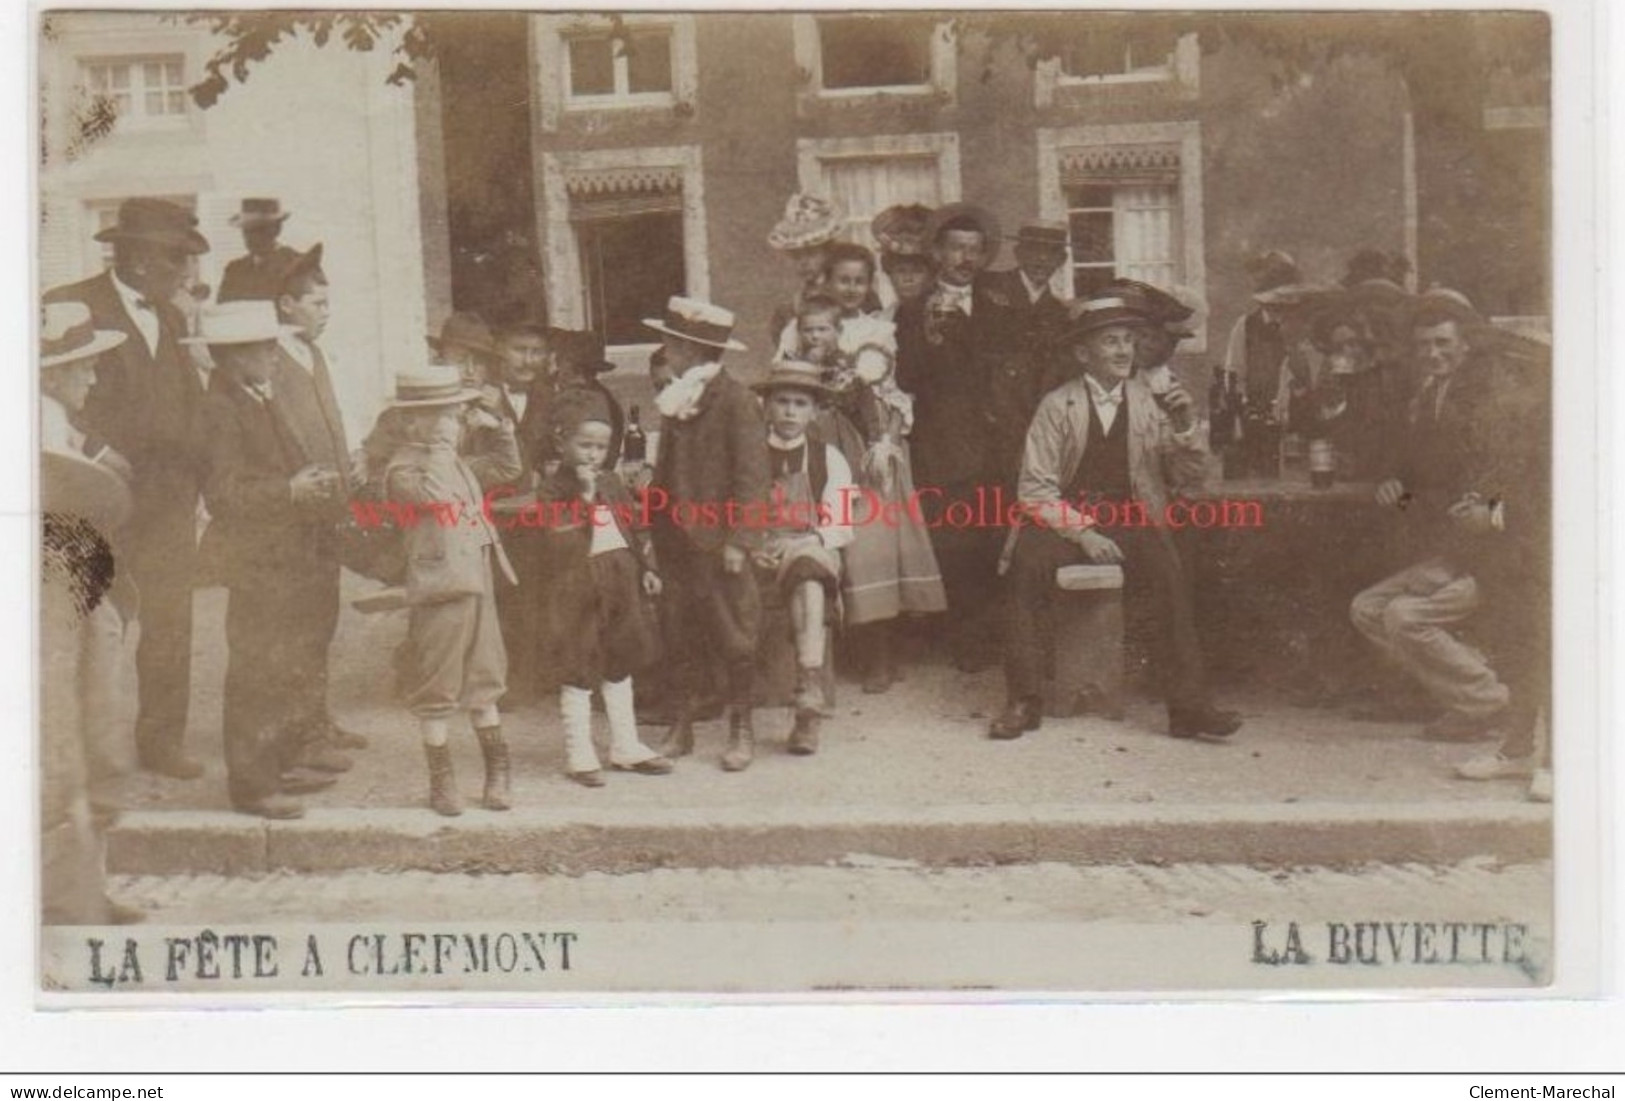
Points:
x=796, y=504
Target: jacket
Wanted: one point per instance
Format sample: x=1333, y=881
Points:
x=250, y=278
x=716, y=457
x=448, y=532
x=1161, y=463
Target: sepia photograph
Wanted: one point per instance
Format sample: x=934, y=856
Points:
x=795, y=504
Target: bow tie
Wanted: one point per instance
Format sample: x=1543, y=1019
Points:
x=260, y=390
x=953, y=298
x=1107, y=399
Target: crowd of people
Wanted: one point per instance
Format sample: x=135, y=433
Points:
x=895, y=387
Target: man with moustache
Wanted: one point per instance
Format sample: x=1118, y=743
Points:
x=1104, y=440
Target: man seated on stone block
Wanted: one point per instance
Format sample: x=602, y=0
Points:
x=1105, y=441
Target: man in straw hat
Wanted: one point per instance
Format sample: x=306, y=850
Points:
x=259, y=274
x=1470, y=485
x=84, y=499
x=145, y=404
x=941, y=362
x=800, y=557
x=712, y=463
x=1104, y=441
x=459, y=662
x=275, y=505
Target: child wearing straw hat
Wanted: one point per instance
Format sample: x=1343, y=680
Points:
x=453, y=634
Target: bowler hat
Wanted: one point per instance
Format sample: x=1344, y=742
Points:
x=466, y=330
x=430, y=385
x=1451, y=303
x=260, y=212
x=698, y=321
x=158, y=221
x=67, y=335
x=794, y=374
x=578, y=350
x=808, y=220
x=964, y=216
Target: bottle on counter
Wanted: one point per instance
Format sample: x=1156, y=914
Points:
x=634, y=445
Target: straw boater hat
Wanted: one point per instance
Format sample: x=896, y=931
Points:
x=901, y=230
x=1101, y=312
x=431, y=385
x=1273, y=269
x=980, y=217
x=698, y=321
x=1052, y=235
x=71, y=483
x=157, y=221
x=794, y=374
x=467, y=330
x=67, y=335
x=808, y=220
x=260, y=212
x=247, y=321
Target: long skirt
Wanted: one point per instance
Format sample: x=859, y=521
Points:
x=891, y=569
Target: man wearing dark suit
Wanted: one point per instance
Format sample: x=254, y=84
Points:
x=302, y=376
x=941, y=361
x=713, y=453
x=145, y=405
x=273, y=540
x=258, y=275
x=1018, y=331
x=1104, y=440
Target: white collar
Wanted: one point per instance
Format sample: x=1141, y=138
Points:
x=132, y=297
x=1035, y=291
x=56, y=428
x=1101, y=393
x=777, y=444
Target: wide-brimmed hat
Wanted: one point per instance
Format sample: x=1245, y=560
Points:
x=901, y=230
x=246, y=321
x=1273, y=269
x=157, y=221
x=466, y=330
x=433, y=384
x=1043, y=234
x=74, y=485
x=980, y=217
x=67, y=335
x=1102, y=311
x=1154, y=302
x=698, y=321
x=1294, y=294
x=808, y=220
x=794, y=374
x=578, y=350
x=260, y=212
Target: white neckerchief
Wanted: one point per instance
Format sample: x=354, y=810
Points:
x=681, y=399
x=141, y=311
x=1106, y=401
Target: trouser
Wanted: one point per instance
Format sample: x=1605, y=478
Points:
x=1150, y=563
x=1409, y=617
x=968, y=556
x=717, y=619
x=162, y=555
x=460, y=662
x=263, y=694
x=71, y=833
x=313, y=623
x=517, y=611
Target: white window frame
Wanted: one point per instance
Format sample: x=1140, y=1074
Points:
x=566, y=293
x=810, y=60
x=1054, y=142
x=136, y=118
x=550, y=35
x=812, y=153
x=1183, y=70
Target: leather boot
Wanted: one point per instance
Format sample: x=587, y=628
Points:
x=804, y=735
x=443, y=795
x=495, y=751
x=679, y=740
x=741, y=749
